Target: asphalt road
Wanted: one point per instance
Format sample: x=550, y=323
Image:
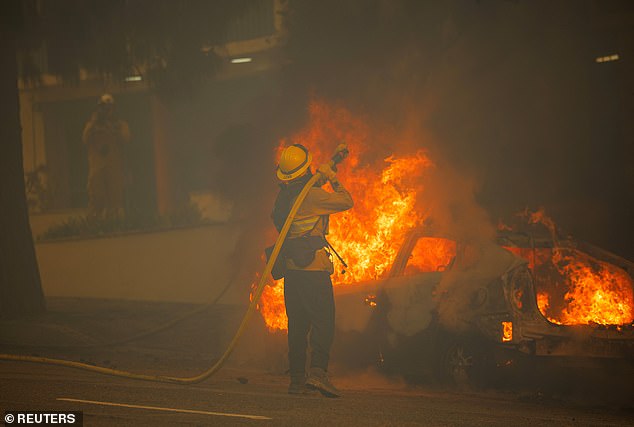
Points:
x=261, y=399
x=251, y=389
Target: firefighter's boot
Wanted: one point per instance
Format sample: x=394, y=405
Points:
x=318, y=379
x=298, y=385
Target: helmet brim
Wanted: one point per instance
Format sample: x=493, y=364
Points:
x=283, y=176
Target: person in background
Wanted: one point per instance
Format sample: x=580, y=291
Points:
x=105, y=137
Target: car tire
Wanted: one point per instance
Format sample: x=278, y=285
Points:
x=465, y=363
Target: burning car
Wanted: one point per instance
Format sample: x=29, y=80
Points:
x=455, y=302
x=487, y=305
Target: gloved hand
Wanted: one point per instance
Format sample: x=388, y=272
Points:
x=341, y=147
x=341, y=152
x=327, y=172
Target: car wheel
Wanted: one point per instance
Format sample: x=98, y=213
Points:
x=464, y=363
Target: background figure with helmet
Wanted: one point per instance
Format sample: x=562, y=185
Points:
x=308, y=293
x=105, y=137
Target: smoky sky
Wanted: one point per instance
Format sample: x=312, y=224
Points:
x=510, y=90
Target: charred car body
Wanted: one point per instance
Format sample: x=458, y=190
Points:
x=476, y=314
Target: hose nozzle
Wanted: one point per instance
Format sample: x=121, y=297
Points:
x=341, y=152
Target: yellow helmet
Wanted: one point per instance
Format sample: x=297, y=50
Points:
x=105, y=99
x=294, y=162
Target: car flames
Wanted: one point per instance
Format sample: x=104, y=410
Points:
x=386, y=193
x=572, y=287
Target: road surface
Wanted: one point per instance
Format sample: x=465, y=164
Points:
x=251, y=389
x=241, y=397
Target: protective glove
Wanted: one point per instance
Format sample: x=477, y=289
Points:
x=341, y=152
x=341, y=147
x=327, y=172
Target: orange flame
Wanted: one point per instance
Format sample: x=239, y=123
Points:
x=431, y=254
x=272, y=306
x=575, y=289
x=385, y=191
x=507, y=331
x=598, y=292
x=543, y=302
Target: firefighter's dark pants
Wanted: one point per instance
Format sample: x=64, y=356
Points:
x=310, y=307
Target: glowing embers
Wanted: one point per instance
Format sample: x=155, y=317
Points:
x=507, y=331
x=370, y=301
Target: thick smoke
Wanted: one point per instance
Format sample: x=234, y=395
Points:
x=506, y=97
x=509, y=115
x=510, y=91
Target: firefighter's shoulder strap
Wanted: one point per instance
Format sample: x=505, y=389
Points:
x=283, y=204
x=285, y=198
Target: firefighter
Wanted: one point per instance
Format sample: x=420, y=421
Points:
x=308, y=294
x=105, y=137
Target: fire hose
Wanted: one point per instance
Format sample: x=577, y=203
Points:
x=257, y=294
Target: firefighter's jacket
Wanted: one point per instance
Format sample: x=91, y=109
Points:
x=312, y=219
